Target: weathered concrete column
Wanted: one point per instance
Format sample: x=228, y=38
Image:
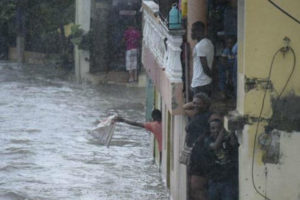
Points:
x=83, y=18
x=20, y=49
x=197, y=11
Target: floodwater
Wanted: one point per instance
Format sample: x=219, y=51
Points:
x=46, y=151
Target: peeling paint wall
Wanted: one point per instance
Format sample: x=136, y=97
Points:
x=276, y=181
x=286, y=113
x=262, y=28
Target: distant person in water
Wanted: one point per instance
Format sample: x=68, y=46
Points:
x=153, y=126
x=132, y=37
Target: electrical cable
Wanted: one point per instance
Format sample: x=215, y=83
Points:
x=262, y=107
x=285, y=12
x=257, y=125
x=286, y=83
x=292, y=72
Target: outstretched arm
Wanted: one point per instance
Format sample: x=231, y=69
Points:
x=133, y=123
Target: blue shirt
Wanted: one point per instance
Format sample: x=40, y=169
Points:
x=229, y=55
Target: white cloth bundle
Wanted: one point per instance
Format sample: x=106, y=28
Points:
x=104, y=130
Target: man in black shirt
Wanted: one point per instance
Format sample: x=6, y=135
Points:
x=221, y=162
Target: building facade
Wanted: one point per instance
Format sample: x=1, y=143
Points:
x=104, y=22
x=162, y=62
x=268, y=89
x=266, y=118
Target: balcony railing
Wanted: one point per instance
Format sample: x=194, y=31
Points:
x=164, y=44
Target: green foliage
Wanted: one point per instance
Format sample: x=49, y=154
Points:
x=78, y=37
x=7, y=22
x=7, y=11
x=45, y=18
x=76, y=34
x=44, y=24
x=49, y=15
x=76, y=31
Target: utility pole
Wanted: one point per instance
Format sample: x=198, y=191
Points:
x=20, y=21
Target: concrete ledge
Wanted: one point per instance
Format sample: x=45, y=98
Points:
x=114, y=78
x=30, y=57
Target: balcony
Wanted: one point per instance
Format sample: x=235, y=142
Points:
x=161, y=56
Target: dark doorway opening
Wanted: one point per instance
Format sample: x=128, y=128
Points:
x=109, y=23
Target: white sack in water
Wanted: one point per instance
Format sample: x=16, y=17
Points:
x=104, y=131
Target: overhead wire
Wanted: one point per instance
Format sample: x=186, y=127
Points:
x=262, y=107
x=285, y=12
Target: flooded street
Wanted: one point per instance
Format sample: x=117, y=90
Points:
x=46, y=151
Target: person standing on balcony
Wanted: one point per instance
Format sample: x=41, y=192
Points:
x=132, y=37
x=226, y=68
x=203, y=55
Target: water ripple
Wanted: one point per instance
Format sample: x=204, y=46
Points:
x=46, y=152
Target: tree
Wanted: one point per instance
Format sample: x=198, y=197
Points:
x=46, y=17
x=42, y=19
x=7, y=20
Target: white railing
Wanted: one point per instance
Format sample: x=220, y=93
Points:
x=164, y=44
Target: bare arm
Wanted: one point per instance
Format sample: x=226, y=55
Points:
x=215, y=145
x=188, y=106
x=188, y=109
x=204, y=63
x=133, y=123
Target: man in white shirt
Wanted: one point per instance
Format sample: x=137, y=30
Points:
x=203, y=55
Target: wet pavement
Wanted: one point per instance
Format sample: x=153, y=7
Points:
x=46, y=151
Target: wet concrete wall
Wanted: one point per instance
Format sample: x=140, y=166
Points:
x=267, y=59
